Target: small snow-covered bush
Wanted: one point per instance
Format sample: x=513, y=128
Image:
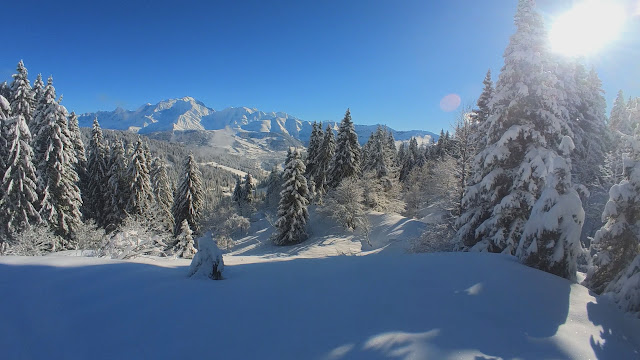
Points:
x=437, y=238
x=208, y=262
x=344, y=204
x=90, y=236
x=184, y=246
x=36, y=241
x=135, y=238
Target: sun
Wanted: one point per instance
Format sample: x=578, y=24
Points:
x=587, y=27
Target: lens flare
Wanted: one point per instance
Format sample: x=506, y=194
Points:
x=587, y=28
x=450, y=102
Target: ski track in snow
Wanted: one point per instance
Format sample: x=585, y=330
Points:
x=309, y=301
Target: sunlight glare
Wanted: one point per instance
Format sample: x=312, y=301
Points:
x=587, y=28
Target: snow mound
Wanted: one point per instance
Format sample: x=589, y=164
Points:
x=207, y=262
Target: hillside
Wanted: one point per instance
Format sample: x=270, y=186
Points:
x=307, y=302
x=188, y=113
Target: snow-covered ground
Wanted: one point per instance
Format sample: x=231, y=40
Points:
x=335, y=296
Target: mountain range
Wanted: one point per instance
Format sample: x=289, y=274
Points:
x=188, y=113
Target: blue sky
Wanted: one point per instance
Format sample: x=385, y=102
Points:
x=391, y=62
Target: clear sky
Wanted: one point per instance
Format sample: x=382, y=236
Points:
x=390, y=61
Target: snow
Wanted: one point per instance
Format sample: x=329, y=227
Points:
x=304, y=302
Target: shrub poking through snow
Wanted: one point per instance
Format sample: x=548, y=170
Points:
x=207, y=263
x=184, y=247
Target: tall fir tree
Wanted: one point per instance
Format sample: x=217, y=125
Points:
x=97, y=175
x=617, y=243
x=619, y=118
x=292, y=209
x=118, y=187
x=591, y=145
x=140, y=192
x=480, y=115
x=38, y=89
x=163, y=192
x=78, y=145
x=346, y=161
x=5, y=113
x=551, y=238
x=315, y=142
x=526, y=123
x=22, y=100
x=19, y=183
x=249, y=189
x=323, y=160
x=189, y=197
x=55, y=159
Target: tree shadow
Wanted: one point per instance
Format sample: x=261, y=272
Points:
x=620, y=332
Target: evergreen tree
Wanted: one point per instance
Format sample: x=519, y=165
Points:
x=118, y=191
x=21, y=95
x=346, y=162
x=5, y=113
x=162, y=191
x=189, y=196
x=140, y=192
x=619, y=118
x=274, y=186
x=379, y=159
x=19, y=195
x=55, y=159
x=5, y=90
x=292, y=209
x=185, y=246
x=551, y=238
x=617, y=243
x=38, y=89
x=410, y=158
x=249, y=189
x=78, y=145
x=238, y=192
x=590, y=131
x=97, y=175
x=480, y=115
x=525, y=125
x=315, y=142
x=323, y=160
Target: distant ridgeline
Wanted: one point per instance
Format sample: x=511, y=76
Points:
x=188, y=113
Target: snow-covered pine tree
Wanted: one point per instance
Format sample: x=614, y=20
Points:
x=480, y=115
x=323, y=160
x=619, y=118
x=410, y=159
x=625, y=290
x=163, y=192
x=315, y=141
x=617, y=243
x=592, y=147
x=140, y=192
x=5, y=113
x=208, y=261
x=344, y=205
x=97, y=176
x=274, y=186
x=38, y=89
x=346, y=162
x=292, y=209
x=238, y=191
x=19, y=183
x=525, y=124
x=118, y=184
x=464, y=148
x=185, y=246
x=5, y=90
x=78, y=145
x=22, y=101
x=249, y=189
x=55, y=160
x=189, y=197
x=551, y=238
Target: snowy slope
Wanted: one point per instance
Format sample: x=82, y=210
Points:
x=190, y=114
x=306, y=303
